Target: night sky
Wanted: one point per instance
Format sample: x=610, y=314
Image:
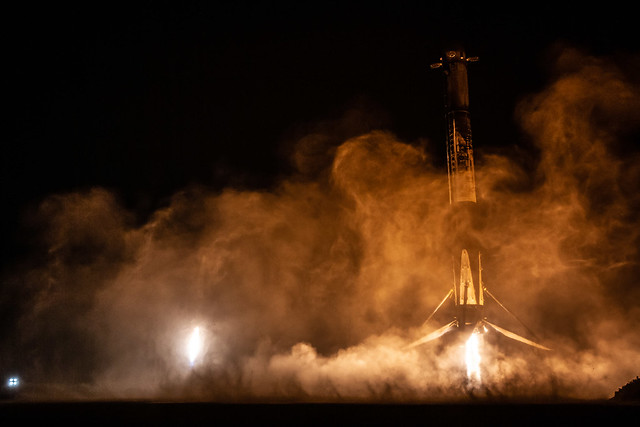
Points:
x=147, y=98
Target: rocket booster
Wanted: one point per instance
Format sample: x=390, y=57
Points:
x=460, y=166
x=469, y=300
x=461, y=172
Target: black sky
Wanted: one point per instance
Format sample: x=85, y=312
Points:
x=147, y=98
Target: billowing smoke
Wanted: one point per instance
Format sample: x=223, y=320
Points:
x=310, y=291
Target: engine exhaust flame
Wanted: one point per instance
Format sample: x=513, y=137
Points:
x=194, y=346
x=472, y=357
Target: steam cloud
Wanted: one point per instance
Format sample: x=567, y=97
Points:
x=310, y=291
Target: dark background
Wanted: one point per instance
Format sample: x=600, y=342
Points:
x=149, y=97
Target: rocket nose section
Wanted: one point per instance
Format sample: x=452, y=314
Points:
x=454, y=54
x=451, y=54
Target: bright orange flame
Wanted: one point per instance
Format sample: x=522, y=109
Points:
x=472, y=357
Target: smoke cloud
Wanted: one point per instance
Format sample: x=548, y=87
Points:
x=311, y=291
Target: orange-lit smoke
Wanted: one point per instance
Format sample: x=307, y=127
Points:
x=312, y=290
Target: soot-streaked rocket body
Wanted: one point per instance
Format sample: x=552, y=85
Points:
x=462, y=183
x=468, y=294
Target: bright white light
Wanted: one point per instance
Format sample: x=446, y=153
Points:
x=472, y=357
x=13, y=382
x=194, y=346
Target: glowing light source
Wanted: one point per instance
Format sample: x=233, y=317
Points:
x=194, y=346
x=472, y=357
x=13, y=382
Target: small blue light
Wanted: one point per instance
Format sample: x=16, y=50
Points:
x=13, y=382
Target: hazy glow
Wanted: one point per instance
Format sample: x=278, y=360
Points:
x=472, y=357
x=194, y=346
